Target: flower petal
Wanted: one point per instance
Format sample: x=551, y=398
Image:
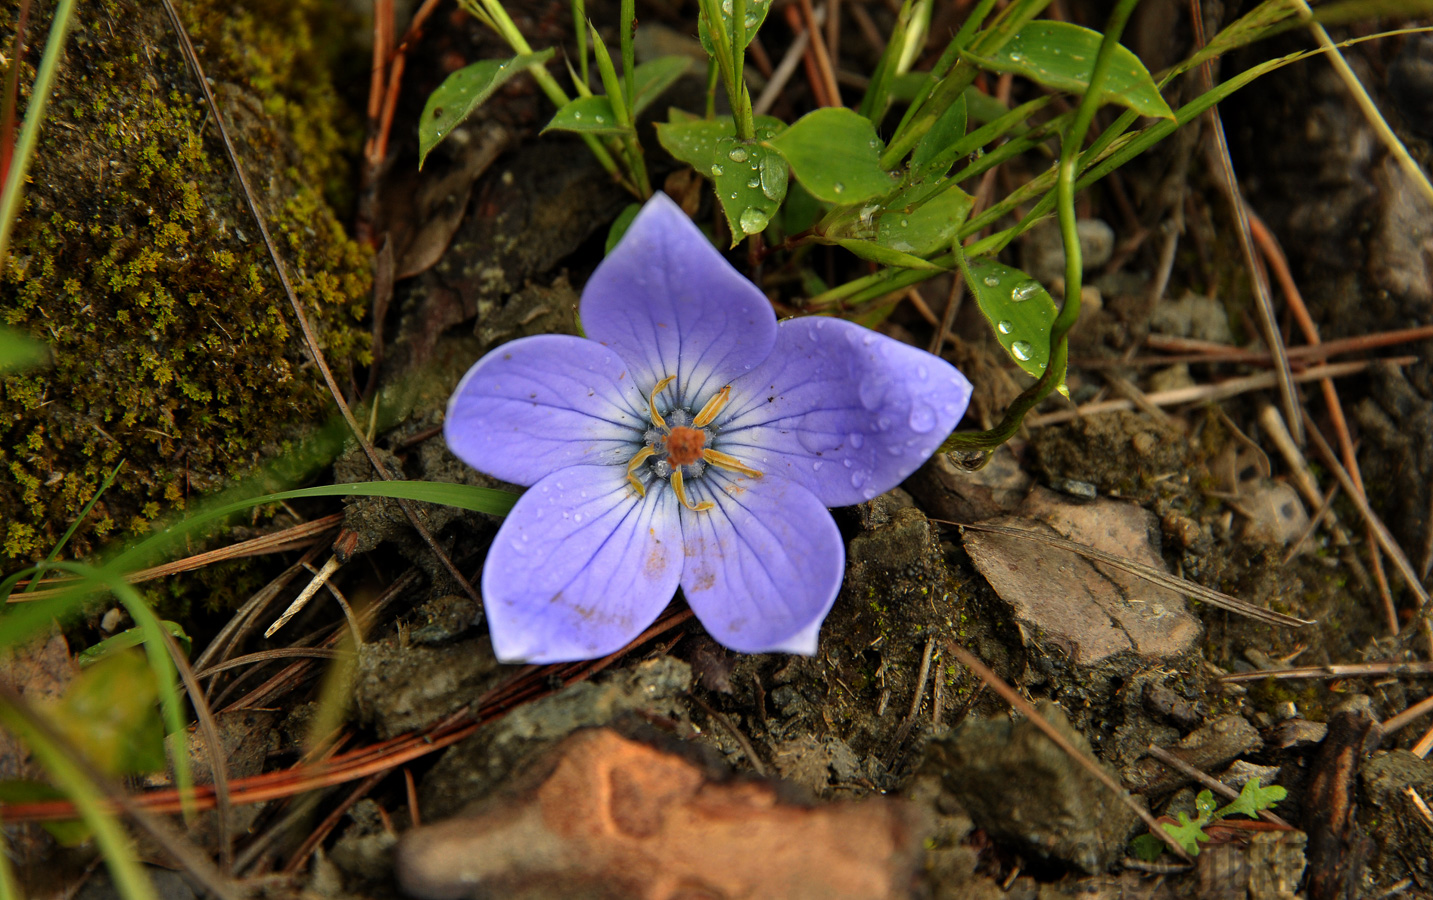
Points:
x=842, y=410
x=764, y=566
x=580, y=566
x=669, y=304
x=542, y=403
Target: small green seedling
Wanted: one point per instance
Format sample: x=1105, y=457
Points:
x=1190, y=833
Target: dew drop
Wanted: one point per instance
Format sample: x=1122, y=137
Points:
x=838, y=187
x=922, y=418
x=601, y=120
x=847, y=463
x=990, y=280
x=753, y=220
x=869, y=493
x=1004, y=327
x=1024, y=292
x=726, y=6
x=816, y=466
x=576, y=114
x=859, y=477
x=922, y=373
x=737, y=154
x=872, y=391
x=905, y=223
x=1014, y=57
x=773, y=177
x=750, y=20
x=856, y=440
x=717, y=170
x=577, y=517
x=1021, y=350
x=753, y=183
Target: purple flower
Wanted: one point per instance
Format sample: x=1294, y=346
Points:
x=690, y=440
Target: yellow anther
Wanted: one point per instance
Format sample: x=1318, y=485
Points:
x=652, y=401
x=642, y=456
x=730, y=463
x=714, y=406
x=681, y=491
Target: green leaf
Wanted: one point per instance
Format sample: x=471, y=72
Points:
x=110, y=713
x=756, y=11
x=750, y=179
x=926, y=228
x=886, y=256
x=1204, y=804
x=1189, y=834
x=1062, y=56
x=835, y=154
x=19, y=351
x=655, y=76
x=464, y=91
x=1018, y=308
x=587, y=115
x=132, y=637
x=1147, y=847
x=948, y=129
x=1252, y=799
x=620, y=226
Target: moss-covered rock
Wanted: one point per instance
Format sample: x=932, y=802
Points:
x=136, y=260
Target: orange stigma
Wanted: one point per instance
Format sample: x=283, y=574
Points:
x=685, y=445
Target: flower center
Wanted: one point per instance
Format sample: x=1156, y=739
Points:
x=684, y=446
x=678, y=448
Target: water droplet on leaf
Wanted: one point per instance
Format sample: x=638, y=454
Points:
x=1004, y=327
x=737, y=154
x=1021, y=350
x=1024, y=292
x=990, y=280
x=838, y=187
x=752, y=219
x=717, y=170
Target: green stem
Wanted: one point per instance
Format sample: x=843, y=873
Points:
x=1074, y=138
x=30, y=130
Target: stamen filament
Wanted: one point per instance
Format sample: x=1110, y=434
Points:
x=713, y=407
x=652, y=401
x=680, y=490
x=730, y=463
x=642, y=456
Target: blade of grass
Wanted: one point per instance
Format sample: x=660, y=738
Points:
x=69, y=532
x=30, y=130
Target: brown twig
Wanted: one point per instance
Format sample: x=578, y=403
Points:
x=300, y=315
x=823, y=59
x=1391, y=669
x=1026, y=708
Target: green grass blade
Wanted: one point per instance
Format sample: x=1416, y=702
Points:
x=69, y=532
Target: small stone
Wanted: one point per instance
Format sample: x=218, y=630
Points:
x=1042, y=252
x=1276, y=513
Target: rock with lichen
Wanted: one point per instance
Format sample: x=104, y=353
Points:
x=135, y=259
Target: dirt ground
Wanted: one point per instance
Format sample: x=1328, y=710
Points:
x=883, y=766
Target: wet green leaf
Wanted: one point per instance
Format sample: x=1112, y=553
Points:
x=110, y=713
x=948, y=129
x=886, y=256
x=464, y=91
x=587, y=115
x=1018, y=308
x=132, y=637
x=1062, y=56
x=749, y=178
x=927, y=228
x=835, y=154
x=1253, y=798
x=19, y=351
x=756, y=11
x=654, y=77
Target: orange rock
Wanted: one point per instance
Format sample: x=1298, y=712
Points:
x=605, y=816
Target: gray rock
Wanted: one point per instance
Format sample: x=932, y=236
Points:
x=1042, y=252
x=1211, y=747
x=1401, y=829
x=472, y=769
x=1020, y=787
x=402, y=687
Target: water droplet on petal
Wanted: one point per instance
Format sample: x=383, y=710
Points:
x=816, y=466
x=858, y=478
x=872, y=392
x=847, y=463
x=1021, y=350
x=869, y=493
x=990, y=280
x=1005, y=327
x=922, y=373
x=577, y=517
x=736, y=154
x=856, y=440
x=922, y=418
x=753, y=220
x=717, y=170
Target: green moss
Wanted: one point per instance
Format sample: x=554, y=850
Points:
x=137, y=262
